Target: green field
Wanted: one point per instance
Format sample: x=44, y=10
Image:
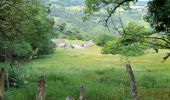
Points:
x=104, y=76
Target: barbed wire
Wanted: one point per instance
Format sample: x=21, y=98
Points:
x=86, y=84
x=151, y=70
x=148, y=70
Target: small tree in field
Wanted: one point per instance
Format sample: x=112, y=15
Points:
x=102, y=39
x=158, y=16
x=130, y=42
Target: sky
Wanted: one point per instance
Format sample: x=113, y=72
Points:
x=143, y=0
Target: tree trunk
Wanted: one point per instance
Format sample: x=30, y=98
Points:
x=132, y=82
x=41, y=88
x=82, y=93
x=2, y=74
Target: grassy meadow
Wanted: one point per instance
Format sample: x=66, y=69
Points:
x=104, y=76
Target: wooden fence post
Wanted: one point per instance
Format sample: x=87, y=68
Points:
x=69, y=98
x=82, y=93
x=1, y=83
x=7, y=80
x=132, y=82
x=41, y=88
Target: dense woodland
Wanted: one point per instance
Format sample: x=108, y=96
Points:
x=84, y=49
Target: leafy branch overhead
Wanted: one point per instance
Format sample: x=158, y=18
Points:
x=109, y=5
x=157, y=15
x=25, y=28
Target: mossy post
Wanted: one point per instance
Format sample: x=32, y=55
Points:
x=7, y=80
x=82, y=93
x=69, y=98
x=41, y=88
x=2, y=74
x=132, y=82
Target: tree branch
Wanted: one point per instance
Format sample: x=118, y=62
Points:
x=163, y=39
x=114, y=9
x=115, y=28
x=166, y=57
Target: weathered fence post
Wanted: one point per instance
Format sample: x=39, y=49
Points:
x=1, y=83
x=7, y=79
x=41, y=88
x=82, y=93
x=69, y=98
x=132, y=82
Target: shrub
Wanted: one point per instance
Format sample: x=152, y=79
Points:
x=16, y=78
x=20, y=49
x=135, y=49
x=116, y=47
x=130, y=43
x=47, y=48
x=102, y=39
x=111, y=47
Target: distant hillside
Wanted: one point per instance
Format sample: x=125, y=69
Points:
x=142, y=3
x=80, y=2
x=65, y=2
x=71, y=13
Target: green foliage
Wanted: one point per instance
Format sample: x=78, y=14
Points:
x=102, y=76
x=158, y=15
x=93, y=6
x=159, y=19
x=46, y=48
x=115, y=47
x=25, y=26
x=16, y=78
x=130, y=44
x=74, y=35
x=20, y=49
x=110, y=47
x=66, y=33
x=102, y=39
x=134, y=49
x=70, y=35
x=155, y=44
x=87, y=37
x=135, y=31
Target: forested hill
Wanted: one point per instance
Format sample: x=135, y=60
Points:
x=79, y=2
x=65, y=2
x=70, y=12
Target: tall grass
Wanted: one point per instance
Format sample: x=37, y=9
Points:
x=103, y=76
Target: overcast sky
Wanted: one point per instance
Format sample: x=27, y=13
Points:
x=143, y=0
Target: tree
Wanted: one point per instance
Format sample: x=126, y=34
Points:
x=159, y=18
x=25, y=27
x=158, y=15
x=110, y=6
x=102, y=39
x=129, y=44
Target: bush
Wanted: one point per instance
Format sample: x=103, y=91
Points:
x=20, y=49
x=130, y=44
x=16, y=78
x=135, y=49
x=47, y=48
x=102, y=39
x=115, y=47
x=111, y=47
